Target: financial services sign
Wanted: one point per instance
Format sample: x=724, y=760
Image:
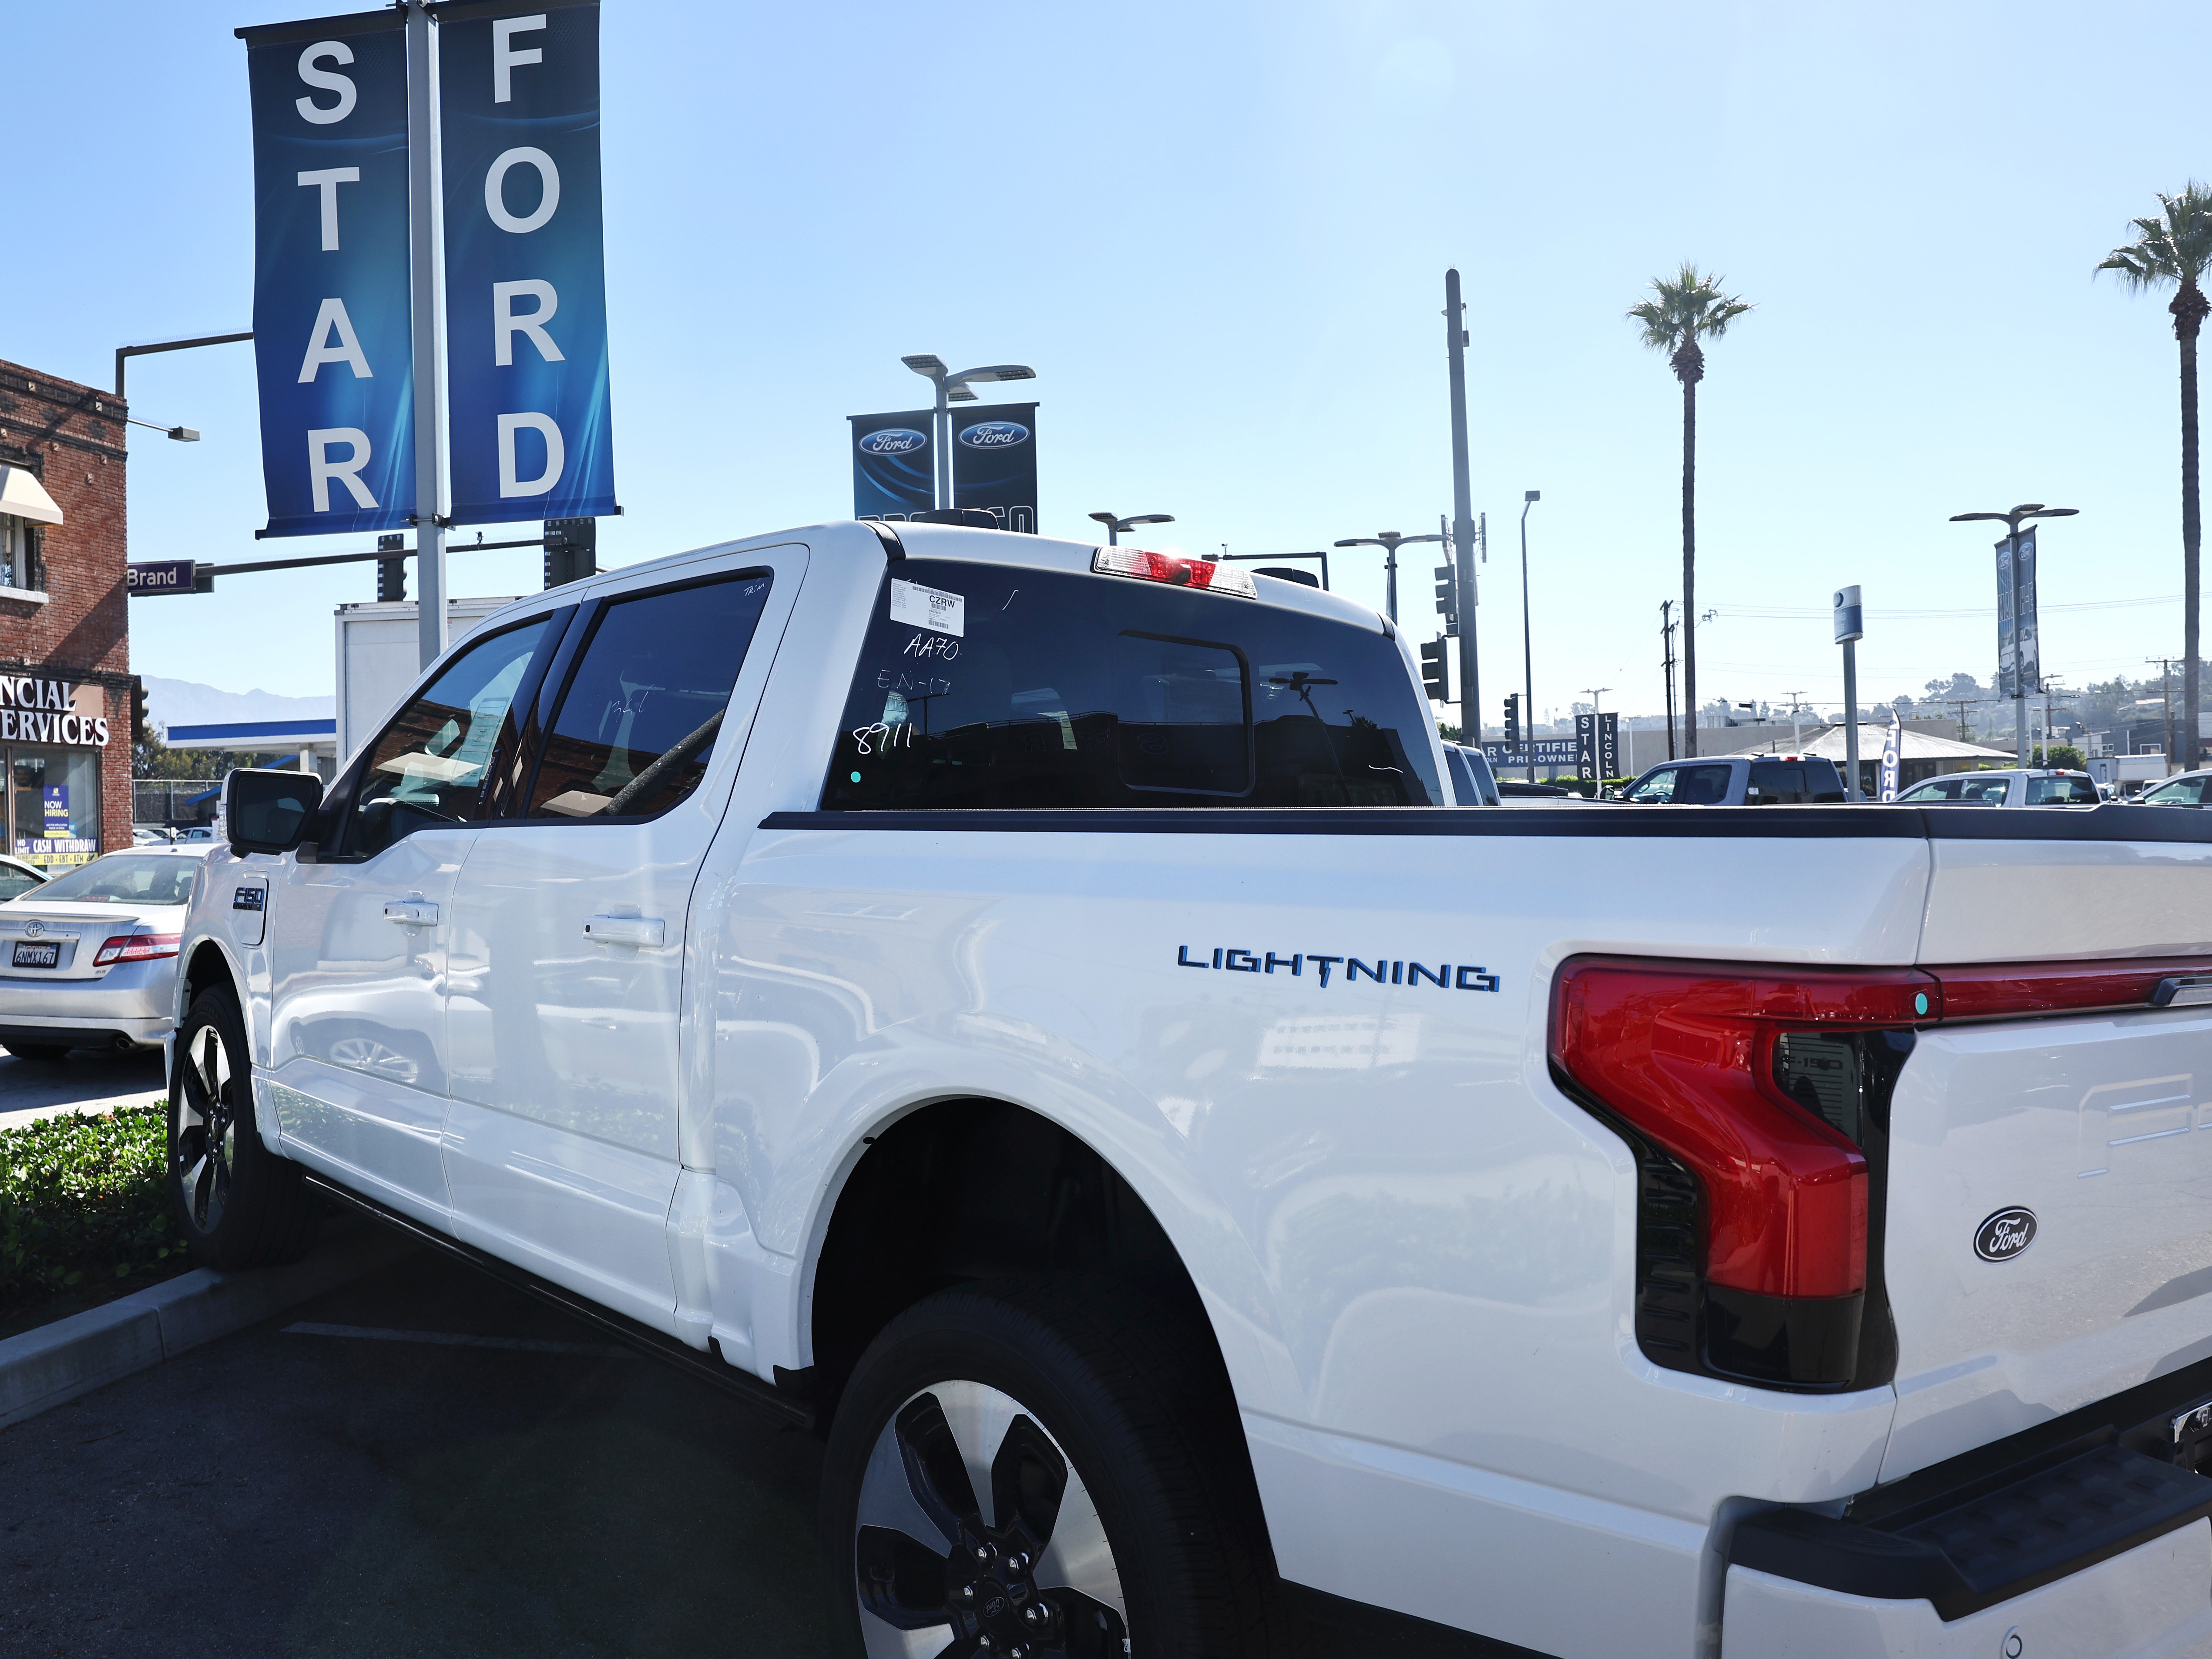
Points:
x=506, y=113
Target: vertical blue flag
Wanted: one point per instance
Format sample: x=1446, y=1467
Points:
x=994, y=462
x=332, y=346
x=893, y=464
x=529, y=430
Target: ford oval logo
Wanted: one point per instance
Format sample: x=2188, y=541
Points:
x=995, y=434
x=2005, y=1235
x=894, y=441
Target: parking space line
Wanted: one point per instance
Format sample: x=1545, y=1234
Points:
x=523, y=1344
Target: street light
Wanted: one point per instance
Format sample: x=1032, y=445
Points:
x=954, y=389
x=1528, y=499
x=1115, y=526
x=183, y=434
x=1390, y=541
x=2012, y=522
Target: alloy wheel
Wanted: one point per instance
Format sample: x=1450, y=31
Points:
x=206, y=1150
x=975, y=1536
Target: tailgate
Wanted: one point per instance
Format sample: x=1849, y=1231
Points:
x=71, y=934
x=2049, y=1235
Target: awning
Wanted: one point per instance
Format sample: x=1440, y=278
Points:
x=26, y=497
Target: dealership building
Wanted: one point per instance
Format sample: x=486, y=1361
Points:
x=65, y=680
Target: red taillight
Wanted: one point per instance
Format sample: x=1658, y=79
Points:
x=1685, y=1053
x=138, y=947
x=2010, y=989
x=1173, y=568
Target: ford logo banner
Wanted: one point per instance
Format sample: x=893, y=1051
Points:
x=995, y=434
x=893, y=440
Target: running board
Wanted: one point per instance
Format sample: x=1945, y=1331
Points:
x=709, y=1368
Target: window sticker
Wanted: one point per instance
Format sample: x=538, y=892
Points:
x=929, y=607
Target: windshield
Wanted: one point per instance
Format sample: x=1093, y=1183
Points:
x=1964, y=787
x=127, y=878
x=2182, y=791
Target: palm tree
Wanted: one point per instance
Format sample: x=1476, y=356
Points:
x=2175, y=248
x=1685, y=309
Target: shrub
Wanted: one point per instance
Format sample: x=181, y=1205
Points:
x=82, y=1199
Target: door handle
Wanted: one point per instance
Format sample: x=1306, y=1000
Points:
x=626, y=930
x=412, y=912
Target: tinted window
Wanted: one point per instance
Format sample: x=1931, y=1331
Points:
x=1062, y=688
x=127, y=878
x=428, y=767
x=2061, y=792
x=1701, y=786
x=1778, y=783
x=15, y=883
x=637, y=724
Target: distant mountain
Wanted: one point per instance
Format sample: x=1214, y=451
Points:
x=184, y=702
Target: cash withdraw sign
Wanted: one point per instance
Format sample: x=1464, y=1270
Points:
x=410, y=215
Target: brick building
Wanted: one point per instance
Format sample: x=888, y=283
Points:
x=65, y=680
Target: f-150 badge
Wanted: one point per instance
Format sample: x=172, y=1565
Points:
x=1383, y=970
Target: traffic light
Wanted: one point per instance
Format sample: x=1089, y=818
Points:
x=390, y=573
x=1513, y=720
x=1433, y=672
x=572, y=550
x=1448, y=600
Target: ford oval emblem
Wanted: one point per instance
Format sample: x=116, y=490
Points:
x=995, y=434
x=894, y=441
x=2005, y=1235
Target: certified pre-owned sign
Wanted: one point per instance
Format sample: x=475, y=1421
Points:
x=2005, y=1235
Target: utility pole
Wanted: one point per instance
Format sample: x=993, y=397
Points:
x=1962, y=704
x=1666, y=660
x=1797, y=742
x=1470, y=687
x=2166, y=686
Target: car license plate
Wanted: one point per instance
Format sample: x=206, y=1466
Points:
x=37, y=956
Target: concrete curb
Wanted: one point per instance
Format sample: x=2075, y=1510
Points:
x=49, y=1366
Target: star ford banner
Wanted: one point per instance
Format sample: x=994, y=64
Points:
x=994, y=462
x=893, y=466
x=332, y=342
x=529, y=430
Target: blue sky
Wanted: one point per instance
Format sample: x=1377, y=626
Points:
x=1219, y=231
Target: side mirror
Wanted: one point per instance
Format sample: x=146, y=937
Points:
x=269, y=812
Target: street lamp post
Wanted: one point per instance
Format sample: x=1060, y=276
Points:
x=1115, y=526
x=1528, y=499
x=1390, y=541
x=2012, y=522
x=954, y=389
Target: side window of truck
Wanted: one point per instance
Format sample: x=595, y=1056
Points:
x=636, y=723
x=985, y=685
x=428, y=766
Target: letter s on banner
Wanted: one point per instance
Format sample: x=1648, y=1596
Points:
x=332, y=338
x=516, y=377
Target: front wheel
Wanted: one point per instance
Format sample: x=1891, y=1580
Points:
x=237, y=1204
x=1025, y=1469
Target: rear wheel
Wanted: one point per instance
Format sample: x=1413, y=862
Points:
x=40, y=1051
x=1024, y=1469
x=237, y=1204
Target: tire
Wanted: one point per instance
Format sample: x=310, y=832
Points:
x=236, y=1204
x=39, y=1051
x=1126, y=1519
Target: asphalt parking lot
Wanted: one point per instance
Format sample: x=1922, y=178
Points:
x=84, y=1082
x=439, y=1467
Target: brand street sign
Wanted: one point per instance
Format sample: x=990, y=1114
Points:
x=158, y=576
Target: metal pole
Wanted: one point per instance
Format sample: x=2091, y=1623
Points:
x=1390, y=579
x=1528, y=651
x=426, y=267
x=942, y=433
x=1851, y=720
x=1470, y=687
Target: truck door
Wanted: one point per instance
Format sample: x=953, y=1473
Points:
x=569, y=932
x=357, y=939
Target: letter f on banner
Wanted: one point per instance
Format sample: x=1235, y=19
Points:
x=331, y=338
x=518, y=113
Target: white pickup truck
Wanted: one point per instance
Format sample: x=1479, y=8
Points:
x=1035, y=1011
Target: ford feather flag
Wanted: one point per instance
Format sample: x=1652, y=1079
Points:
x=529, y=427
x=333, y=348
x=1892, y=751
x=893, y=464
x=994, y=462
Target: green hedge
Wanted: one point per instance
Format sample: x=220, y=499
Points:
x=82, y=1201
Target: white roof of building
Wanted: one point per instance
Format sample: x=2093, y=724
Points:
x=1828, y=743
x=25, y=497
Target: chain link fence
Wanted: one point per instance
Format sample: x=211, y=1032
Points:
x=165, y=800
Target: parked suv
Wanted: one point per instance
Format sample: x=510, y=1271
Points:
x=1025, y=1009
x=1738, y=780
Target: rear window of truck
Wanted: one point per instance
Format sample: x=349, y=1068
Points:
x=987, y=686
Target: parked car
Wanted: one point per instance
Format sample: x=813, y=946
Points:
x=2183, y=789
x=89, y=960
x=1619, y=1232
x=1738, y=780
x=18, y=877
x=151, y=835
x=2007, y=786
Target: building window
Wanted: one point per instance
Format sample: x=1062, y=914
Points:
x=54, y=802
x=21, y=563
